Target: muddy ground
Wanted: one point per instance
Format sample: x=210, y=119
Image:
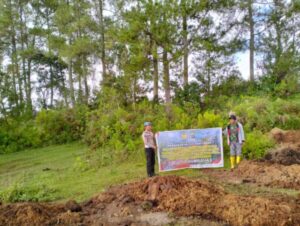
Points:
x=173, y=200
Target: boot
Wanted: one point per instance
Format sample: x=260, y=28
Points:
x=238, y=159
x=232, y=162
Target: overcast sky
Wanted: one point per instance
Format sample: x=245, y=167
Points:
x=243, y=63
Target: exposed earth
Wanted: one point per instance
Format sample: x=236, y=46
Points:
x=174, y=200
x=279, y=168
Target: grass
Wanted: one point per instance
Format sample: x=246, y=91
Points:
x=58, y=173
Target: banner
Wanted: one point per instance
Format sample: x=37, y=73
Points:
x=195, y=148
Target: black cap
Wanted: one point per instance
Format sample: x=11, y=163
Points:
x=232, y=117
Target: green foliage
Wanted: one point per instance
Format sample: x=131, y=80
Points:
x=265, y=113
x=256, y=145
x=113, y=131
x=18, y=135
x=209, y=120
x=61, y=126
x=81, y=164
x=288, y=86
x=20, y=193
x=49, y=127
x=116, y=132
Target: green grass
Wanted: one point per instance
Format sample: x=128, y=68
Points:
x=58, y=173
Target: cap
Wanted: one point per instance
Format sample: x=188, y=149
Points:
x=232, y=117
x=147, y=124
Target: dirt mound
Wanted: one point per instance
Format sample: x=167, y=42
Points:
x=27, y=213
x=261, y=173
x=130, y=204
x=186, y=197
x=285, y=155
x=282, y=136
x=270, y=174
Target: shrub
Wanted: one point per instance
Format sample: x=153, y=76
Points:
x=256, y=145
x=49, y=127
x=21, y=193
x=61, y=126
x=209, y=120
x=118, y=131
x=17, y=135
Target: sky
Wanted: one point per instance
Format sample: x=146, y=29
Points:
x=243, y=63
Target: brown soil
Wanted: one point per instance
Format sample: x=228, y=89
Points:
x=288, y=152
x=282, y=136
x=147, y=203
x=260, y=173
x=285, y=155
x=279, y=168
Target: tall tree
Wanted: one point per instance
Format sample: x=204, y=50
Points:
x=155, y=72
x=185, y=42
x=251, y=42
x=101, y=24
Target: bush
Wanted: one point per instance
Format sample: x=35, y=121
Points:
x=18, y=135
x=288, y=86
x=49, y=127
x=61, y=126
x=264, y=114
x=21, y=193
x=209, y=120
x=116, y=128
x=118, y=131
x=256, y=145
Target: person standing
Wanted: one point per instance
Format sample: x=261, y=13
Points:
x=150, y=147
x=235, y=140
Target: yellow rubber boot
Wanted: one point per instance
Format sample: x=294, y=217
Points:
x=238, y=159
x=232, y=161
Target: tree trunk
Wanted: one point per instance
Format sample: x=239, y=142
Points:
x=28, y=89
x=278, y=32
x=86, y=86
x=80, y=92
x=64, y=88
x=49, y=52
x=25, y=71
x=251, y=44
x=103, y=56
x=185, y=47
x=155, y=73
x=16, y=74
x=166, y=77
x=22, y=48
x=51, y=86
x=71, y=83
x=14, y=62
